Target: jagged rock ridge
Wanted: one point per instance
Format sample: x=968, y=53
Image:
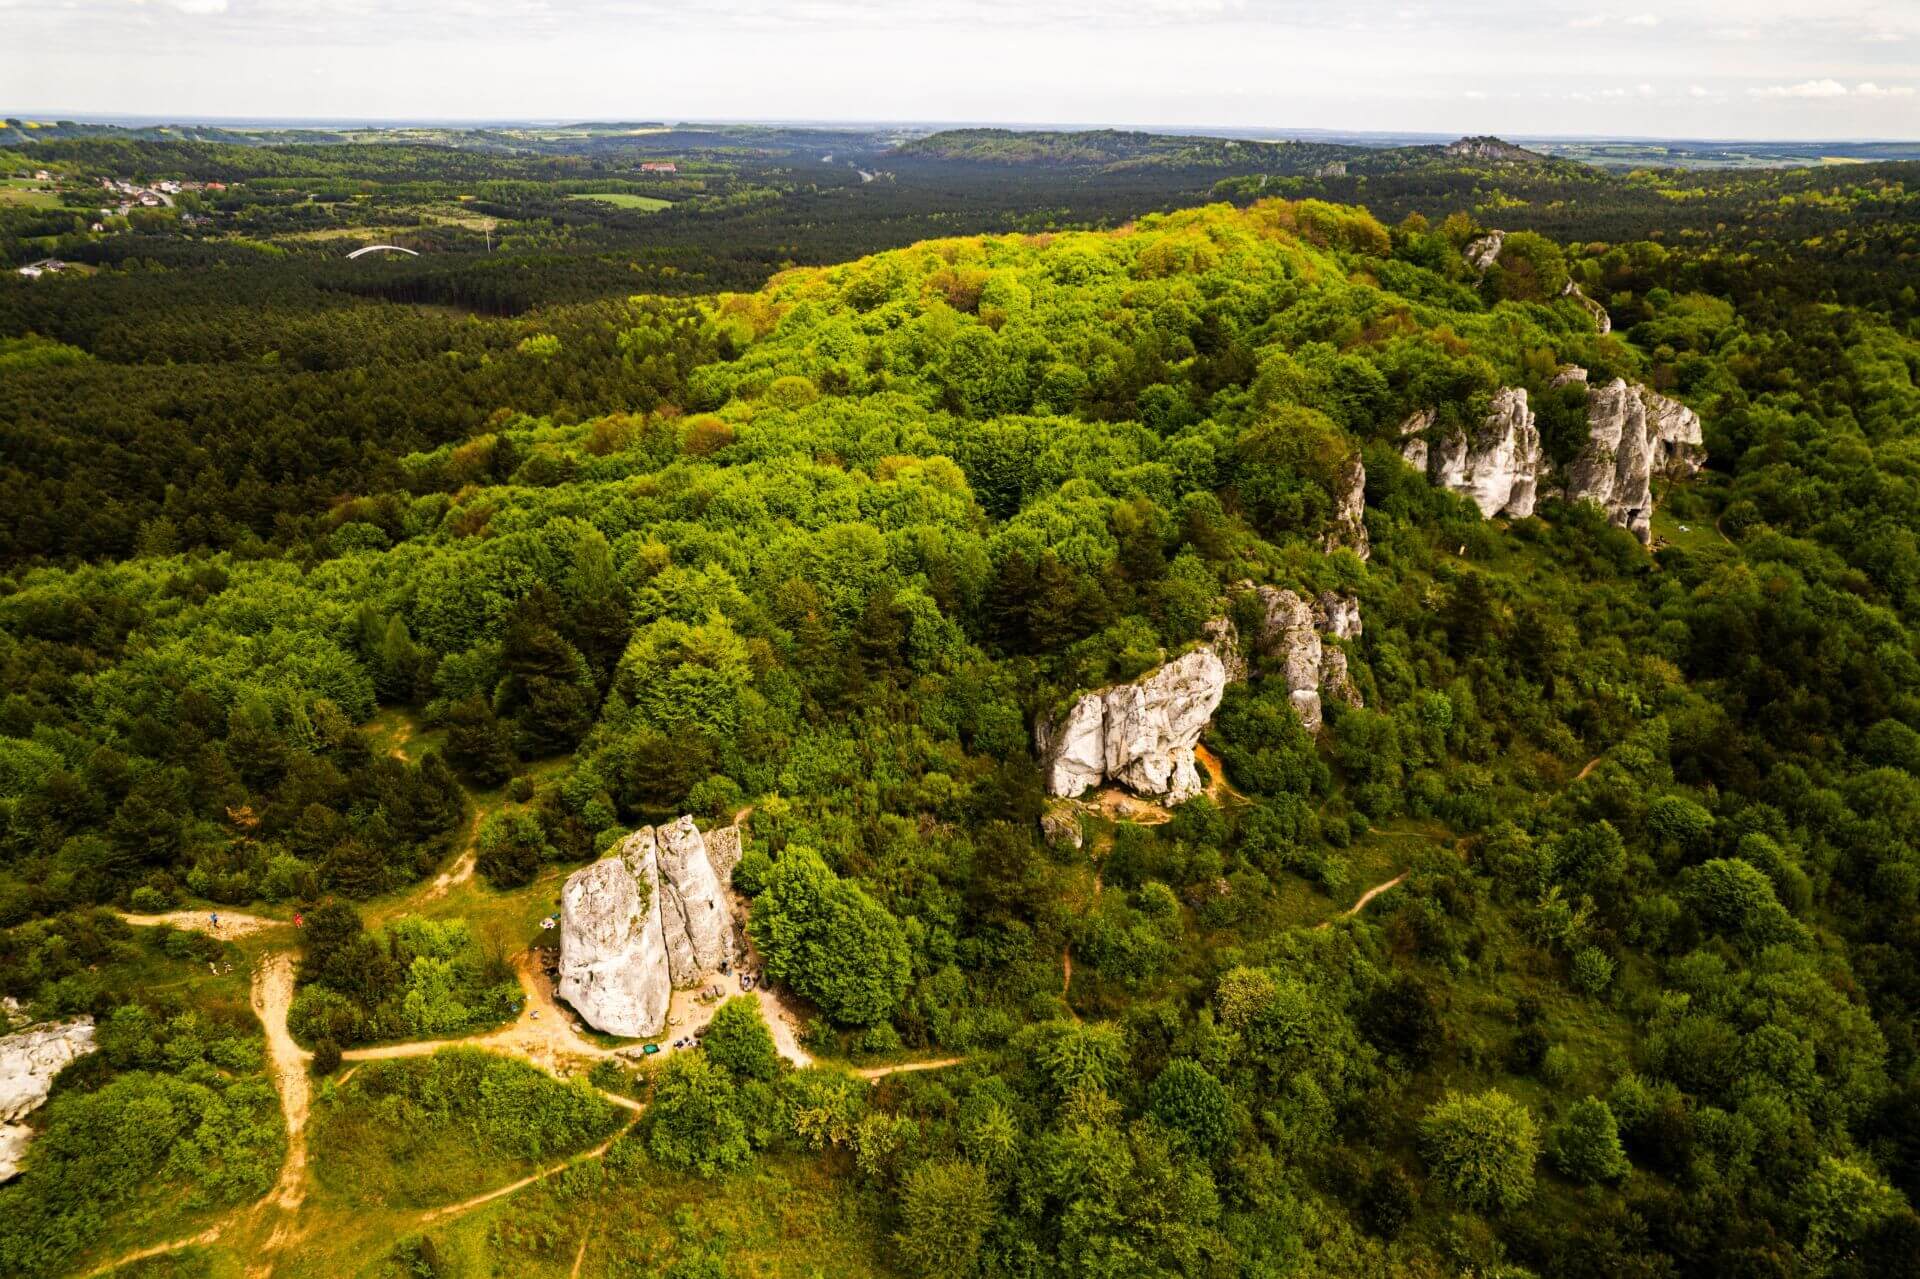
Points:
x=1140, y=734
x=1633, y=434
x=652, y=917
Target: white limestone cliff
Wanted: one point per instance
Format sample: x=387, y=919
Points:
x=29, y=1060
x=1498, y=466
x=1348, y=529
x=694, y=911
x=1633, y=434
x=1139, y=734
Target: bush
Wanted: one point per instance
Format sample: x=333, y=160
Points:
x=1480, y=1149
x=946, y=1208
x=1586, y=1144
x=1187, y=1100
x=693, y=1124
x=737, y=1040
x=326, y=1057
x=1592, y=970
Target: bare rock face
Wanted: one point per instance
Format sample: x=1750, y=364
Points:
x=1338, y=615
x=1335, y=680
x=613, y=947
x=693, y=908
x=1633, y=434
x=1223, y=637
x=652, y=917
x=1348, y=529
x=1499, y=466
x=1413, y=445
x=1485, y=251
x=1140, y=734
x=1291, y=632
x=1060, y=824
x=29, y=1060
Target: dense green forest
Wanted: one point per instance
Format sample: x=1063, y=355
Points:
x=799, y=503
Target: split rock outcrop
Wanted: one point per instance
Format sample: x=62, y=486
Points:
x=1291, y=633
x=29, y=1060
x=651, y=917
x=1347, y=531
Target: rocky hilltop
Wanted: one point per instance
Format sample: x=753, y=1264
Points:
x=29, y=1060
x=649, y=918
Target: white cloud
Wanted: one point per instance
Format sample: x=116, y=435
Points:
x=1868, y=89
x=1805, y=89
x=1698, y=91
x=1645, y=90
x=1478, y=95
x=1644, y=20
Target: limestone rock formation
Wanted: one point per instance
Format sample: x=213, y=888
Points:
x=1060, y=824
x=1601, y=320
x=1291, y=633
x=652, y=917
x=1485, y=251
x=1140, y=734
x=613, y=948
x=693, y=909
x=1413, y=437
x=29, y=1060
x=1498, y=466
x=1348, y=528
x=1338, y=615
x=1633, y=434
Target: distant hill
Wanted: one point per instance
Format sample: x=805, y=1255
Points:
x=1113, y=149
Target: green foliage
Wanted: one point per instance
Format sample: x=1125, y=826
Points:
x=693, y=1124
x=1586, y=1144
x=737, y=1040
x=946, y=1209
x=829, y=940
x=1480, y=1148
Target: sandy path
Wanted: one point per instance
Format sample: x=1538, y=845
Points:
x=210, y=1235
x=1219, y=789
x=907, y=1067
x=462, y=869
x=468, y=1205
x=272, y=998
x=1592, y=764
x=231, y=924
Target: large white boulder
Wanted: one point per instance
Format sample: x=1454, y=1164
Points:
x=613, y=949
x=1633, y=434
x=29, y=1060
x=1498, y=466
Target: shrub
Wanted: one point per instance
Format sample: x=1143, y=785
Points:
x=1480, y=1149
x=326, y=1057
x=738, y=1042
x=1586, y=1144
x=945, y=1210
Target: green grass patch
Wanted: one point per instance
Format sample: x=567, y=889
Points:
x=623, y=200
x=424, y=1131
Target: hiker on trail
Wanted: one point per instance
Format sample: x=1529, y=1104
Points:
x=213, y=921
x=297, y=919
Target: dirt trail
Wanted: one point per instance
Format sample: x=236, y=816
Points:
x=272, y=998
x=1592, y=764
x=907, y=1067
x=231, y=923
x=1365, y=897
x=210, y=1235
x=462, y=869
x=479, y=1201
x=1219, y=790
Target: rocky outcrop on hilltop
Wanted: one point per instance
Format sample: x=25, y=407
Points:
x=1485, y=251
x=1498, y=465
x=1633, y=434
x=1140, y=734
x=29, y=1060
x=1347, y=531
x=649, y=918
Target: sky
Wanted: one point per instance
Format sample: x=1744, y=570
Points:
x=1789, y=69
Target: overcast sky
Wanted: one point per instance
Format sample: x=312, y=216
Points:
x=1695, y=68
